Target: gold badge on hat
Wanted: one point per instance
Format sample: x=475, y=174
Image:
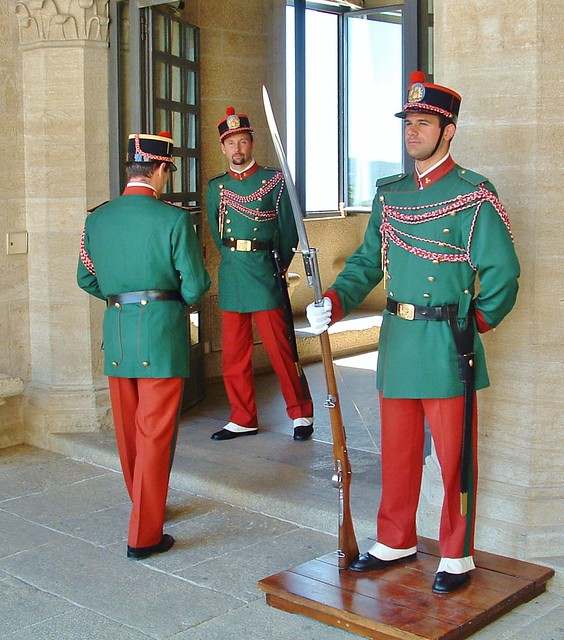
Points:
x=416, y=92
x=233, y=122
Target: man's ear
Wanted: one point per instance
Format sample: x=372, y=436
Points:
x=449, y=131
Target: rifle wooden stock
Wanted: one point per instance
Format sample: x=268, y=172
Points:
x=348, y=546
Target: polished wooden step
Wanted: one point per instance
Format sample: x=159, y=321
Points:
x=398, y=602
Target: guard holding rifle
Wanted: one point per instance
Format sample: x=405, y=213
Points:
x=253, y=227
x=432, y=233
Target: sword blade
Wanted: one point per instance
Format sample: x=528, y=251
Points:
x=290, y=186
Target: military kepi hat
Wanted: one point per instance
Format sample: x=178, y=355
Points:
x=233, y=123
x=145, y=147
x=430, y=98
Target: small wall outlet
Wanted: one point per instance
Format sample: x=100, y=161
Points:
x=16, y=242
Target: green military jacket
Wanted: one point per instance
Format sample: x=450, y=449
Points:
x=138, y=243
x=436, y=244
x=255, y=208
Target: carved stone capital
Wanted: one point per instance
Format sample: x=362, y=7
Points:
x=62, y=21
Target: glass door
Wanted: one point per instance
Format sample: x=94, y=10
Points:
x=380, y=57
x=346, y=75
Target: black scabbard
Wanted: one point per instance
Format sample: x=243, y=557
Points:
x=464, y=341
x=280, y=276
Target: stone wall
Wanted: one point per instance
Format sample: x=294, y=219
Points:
x=62, y=57
x=506, y=63
x=14, y=310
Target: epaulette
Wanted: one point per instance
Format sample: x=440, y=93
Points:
x=471, y=176
x=389, y=179
x=219, y=175
x=274, y=169
x=97, y=206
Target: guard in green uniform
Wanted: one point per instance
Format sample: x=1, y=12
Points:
x=431, y=235
x=253, y=227
x=142, y=257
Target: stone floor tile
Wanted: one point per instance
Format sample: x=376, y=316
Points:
x=23, y=606
x=122, y=590
x=252, y=563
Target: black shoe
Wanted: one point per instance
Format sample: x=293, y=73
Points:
x=366, y=562
x=225, y=434
x=446, y=582
x=139, y=553
x=303, y=433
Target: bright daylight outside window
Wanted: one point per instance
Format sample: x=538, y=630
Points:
x=374, y=95
x=372, y=92
x=322, y=151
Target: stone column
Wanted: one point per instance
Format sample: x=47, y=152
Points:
x=64, y=49
x=506, y=60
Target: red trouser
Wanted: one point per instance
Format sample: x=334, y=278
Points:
x=402, y=463
x=238, y=364
x=146, y=413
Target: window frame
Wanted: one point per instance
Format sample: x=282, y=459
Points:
x=416, y=18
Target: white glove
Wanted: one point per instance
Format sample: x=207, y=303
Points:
x=319, y=317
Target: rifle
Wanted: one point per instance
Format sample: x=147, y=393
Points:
x=348, y=547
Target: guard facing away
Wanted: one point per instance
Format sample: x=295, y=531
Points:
x=432, y=233
x=252, y=224
x=142, y=257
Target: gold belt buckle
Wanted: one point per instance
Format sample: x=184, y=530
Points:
x=244, y=245
x=406, y=311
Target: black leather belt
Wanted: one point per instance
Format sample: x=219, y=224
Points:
x=409, y=311
x=245, y=245
x=143, y=297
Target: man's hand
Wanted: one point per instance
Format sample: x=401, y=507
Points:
x=319, y=317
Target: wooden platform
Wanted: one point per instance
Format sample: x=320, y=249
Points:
x=398, y=602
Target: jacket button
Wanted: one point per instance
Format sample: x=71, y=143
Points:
x=228, y=222
x=117, y=304
x=426, y=295
x=143, y=302
x=145, y=363
x=446, y=230
x=114, y=364
x=391, y=294
x=228, y=230
x=431, y=278
x=435, y=262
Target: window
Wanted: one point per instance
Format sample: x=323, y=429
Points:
x=350, y=64
x=374, y=94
